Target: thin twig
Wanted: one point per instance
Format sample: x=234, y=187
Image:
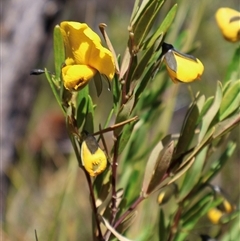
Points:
x=100, y=236
x=114, y=177
x=103, y=141
x=129, y=210
x=111, y=128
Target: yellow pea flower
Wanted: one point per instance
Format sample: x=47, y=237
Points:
x=181, y=67
x=85, y=55
x=93, y=157
x=228, y=21
x=215, y=214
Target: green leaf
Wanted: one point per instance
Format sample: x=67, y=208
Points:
x=218, y=164
x=138, y=71
x=161, y=226
x=82, y=106
x=233, y=231
x=233, y=68
x=189, y=125
x=207, y=138
x=89, y=124
x=230, y=101
x=211, y=113
x=226, y=218
x=54, y=90
x=137, y=147
x=191, y=158
x=206, y=107
x=193, y=175
x=116, y=94
x=151, y=165
x=59, y=52
x=135, y=10
x=138, y=9
x=180, y=171
x=163, y=27
x=125, y=63
x=145, y=21
x=226, y=126
x=157, y=166
x=190, y=218
x=197, y=211
x=125, y=136
x=124, y=114
x=227, y=86
x=98, y=83
x=125, y=224
x=146, y=77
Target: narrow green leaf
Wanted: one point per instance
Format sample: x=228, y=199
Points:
x=157, y=166
x=98, y=83
x=125, y=63
x=146, y=77
x=126, y=223
x=59, y=52
x=135, y=10
x=139, y=8
x=181, y=170
x=226, y=218
x=230, y=101
x=211, y=113
x=233, y=231
x=124, y=114
x=116, y=94
x=163, y=27
x=201, y=145
x=141, y=65
x=227, y=86
x=200, y=208
x=193, y=175
x=227, y=125
x=233, y=68
x=219, y=163
x=54, y=90
x=151, y=165
x=82, y=106
x=188, y=127
x=89, y=124
x=192, y=216
x=161, y=226
x=145, y=22
x=125, y=136
x=206, y=107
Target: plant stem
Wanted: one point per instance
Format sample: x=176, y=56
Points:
x=100, y=236
x=114, y=177
x=129, y=210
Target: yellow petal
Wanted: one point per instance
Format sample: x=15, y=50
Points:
x=93, y=158
x=228, y=21
x=214, y=215
x=84, y=46
x=75, y=77
x=227, y=206
x=182, y=68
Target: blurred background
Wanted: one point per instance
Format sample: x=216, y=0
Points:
x=36, y=157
